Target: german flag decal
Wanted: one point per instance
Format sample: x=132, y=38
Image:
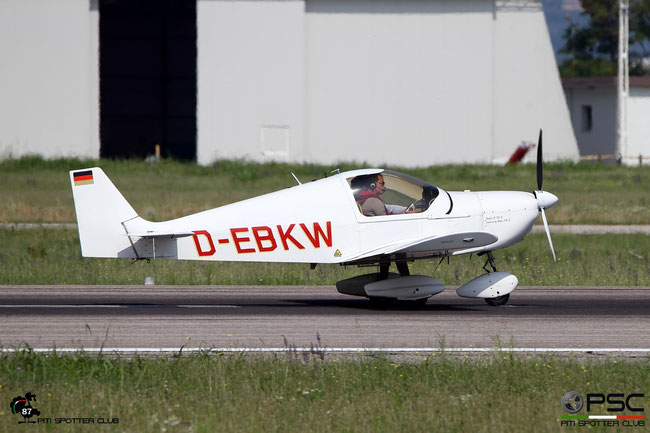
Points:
x=83, y=178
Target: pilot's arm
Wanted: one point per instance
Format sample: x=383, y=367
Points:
x=395, y=209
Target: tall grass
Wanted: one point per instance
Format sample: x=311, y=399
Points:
x=203, y=393
x=34, y=190
x=53, y=257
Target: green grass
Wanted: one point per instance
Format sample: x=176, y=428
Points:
x=53, y=257
x=289, y=393
x=33, y=190
x=201, y=393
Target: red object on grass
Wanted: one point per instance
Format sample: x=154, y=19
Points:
x=520, y=152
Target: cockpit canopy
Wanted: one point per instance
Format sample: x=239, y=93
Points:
x=402, y=191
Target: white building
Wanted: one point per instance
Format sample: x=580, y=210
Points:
x=49, y=78
x=403, y=82
x=592, y=104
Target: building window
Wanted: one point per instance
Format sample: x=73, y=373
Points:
x=586, y=118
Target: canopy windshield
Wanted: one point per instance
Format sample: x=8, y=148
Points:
x=400, y=193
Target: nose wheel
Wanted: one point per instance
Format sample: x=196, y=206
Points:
x=495, y=302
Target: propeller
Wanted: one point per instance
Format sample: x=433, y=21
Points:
x=544, y=199
x=540, y=163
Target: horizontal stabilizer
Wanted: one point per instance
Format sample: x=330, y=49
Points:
x=167, y=234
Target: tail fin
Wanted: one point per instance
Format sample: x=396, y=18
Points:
x=101, y=209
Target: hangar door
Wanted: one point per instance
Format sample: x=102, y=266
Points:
x=148, y=78
x=399, y=82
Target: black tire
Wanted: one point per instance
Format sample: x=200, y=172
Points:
x=381, y=302
x=495, y=302
x=416, y=302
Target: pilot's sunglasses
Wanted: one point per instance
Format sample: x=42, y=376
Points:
x=382, y=183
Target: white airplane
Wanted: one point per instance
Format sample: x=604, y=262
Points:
x=325, y=221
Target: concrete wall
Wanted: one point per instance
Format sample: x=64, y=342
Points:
x=384, y=82
x=389, y=83
x=49, y=79
x=250, y=80
x=600, y=95
x=528, y=92
x=601, y=139
x=638, y=143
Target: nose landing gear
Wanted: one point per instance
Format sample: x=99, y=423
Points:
x=499, y=300
x=489, y=261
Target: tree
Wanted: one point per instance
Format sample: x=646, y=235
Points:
x=593, y=49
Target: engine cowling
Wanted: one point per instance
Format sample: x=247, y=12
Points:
x=492, y=285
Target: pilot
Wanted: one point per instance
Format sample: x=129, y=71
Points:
x=369, y=198
x=367, y=192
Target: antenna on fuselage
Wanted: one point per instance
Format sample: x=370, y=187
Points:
x=294, y=176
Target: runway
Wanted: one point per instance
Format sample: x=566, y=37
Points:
x=276, y=317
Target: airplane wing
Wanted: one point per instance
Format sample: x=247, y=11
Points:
x=436, y=245
x=456, y=241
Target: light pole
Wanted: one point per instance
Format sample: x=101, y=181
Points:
x=623, y=91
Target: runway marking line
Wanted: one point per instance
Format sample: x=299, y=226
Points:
x=117, y=306
x=333, y=350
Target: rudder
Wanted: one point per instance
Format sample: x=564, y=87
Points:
x=101, y=209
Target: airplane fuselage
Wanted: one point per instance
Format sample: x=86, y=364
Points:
x=274, y=227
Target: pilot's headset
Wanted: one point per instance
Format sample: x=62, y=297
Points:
x=373, y=184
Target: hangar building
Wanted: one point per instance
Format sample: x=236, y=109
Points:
x=399, y=82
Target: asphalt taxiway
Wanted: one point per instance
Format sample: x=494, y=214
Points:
x=253, y=317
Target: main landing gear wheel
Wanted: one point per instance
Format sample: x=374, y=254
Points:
x=387, y=302
x=381, y=302
x=416, y=302
x=495, y=302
